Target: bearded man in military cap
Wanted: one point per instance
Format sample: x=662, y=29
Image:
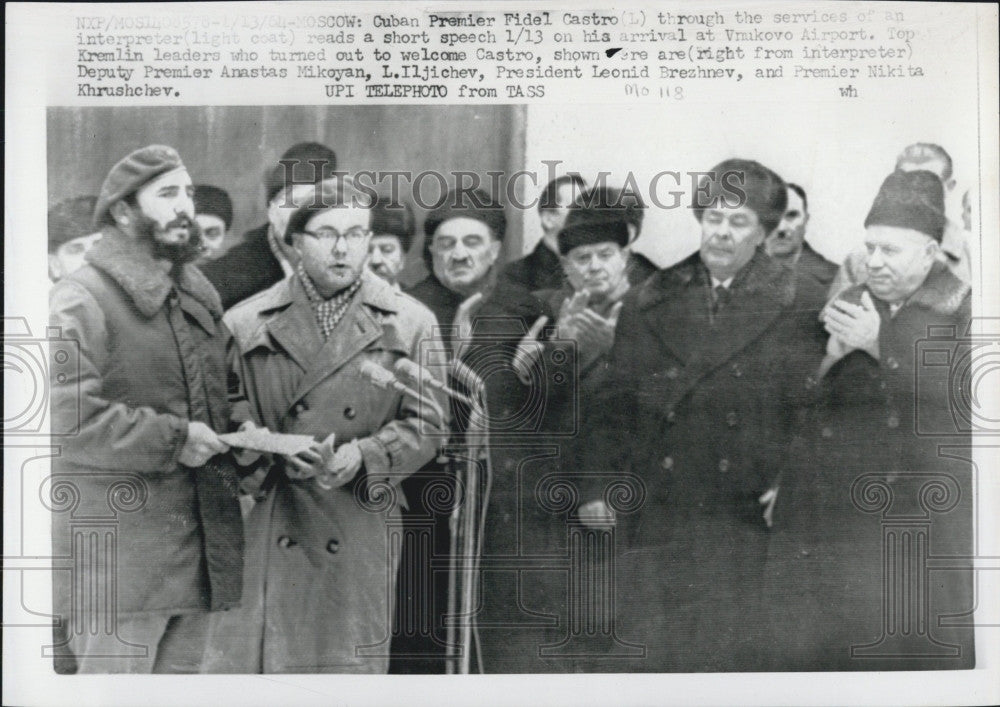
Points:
x=149, y=400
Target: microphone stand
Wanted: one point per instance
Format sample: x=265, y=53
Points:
x=466, y=541
x=466, y=522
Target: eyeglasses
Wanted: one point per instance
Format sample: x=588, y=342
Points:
x=332, y=235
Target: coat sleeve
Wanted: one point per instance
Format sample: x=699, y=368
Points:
x=609, y=399
x=112, y=434
x=411, y=439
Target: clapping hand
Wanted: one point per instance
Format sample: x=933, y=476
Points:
x=856, y=326
x=596, y=334
x=571, y=307
x=528, y=351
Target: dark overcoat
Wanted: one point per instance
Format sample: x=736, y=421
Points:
x=245, y=269
x=885, y=464
x=150, y=358
x=545, y=586
x=702, y=407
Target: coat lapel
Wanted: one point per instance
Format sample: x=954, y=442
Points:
x=675, y=302
x=355, y=332
x=294, y=326
x=760, y=294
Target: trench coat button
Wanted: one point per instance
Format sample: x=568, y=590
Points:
x=827, y=432
x=286, y=542
x=350, y=413
x=892, y=363
x=737, y=371
x=893, y=421
x=299, y=408
x=667, y=464
x=673, y=372
x=333, y=546
x=723, y=466
x=732, y=419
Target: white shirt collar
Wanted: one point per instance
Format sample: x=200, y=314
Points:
x=725, y=283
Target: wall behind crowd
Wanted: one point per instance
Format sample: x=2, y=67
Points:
x=231, y=147
x=840, y=157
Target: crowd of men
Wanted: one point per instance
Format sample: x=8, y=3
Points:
x=739, y=395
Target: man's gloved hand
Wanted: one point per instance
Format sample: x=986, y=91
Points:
x=202, y=444
x=331, y=468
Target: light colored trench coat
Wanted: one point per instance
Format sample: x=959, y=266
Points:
x=320, y=577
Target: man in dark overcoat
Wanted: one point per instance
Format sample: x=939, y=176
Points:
x=534, y=604
x=709, y=365
x=887, y=477
x=149, y=397
x=261, y=258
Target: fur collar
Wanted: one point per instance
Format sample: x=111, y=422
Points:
x=942, y=292
x=127, y=263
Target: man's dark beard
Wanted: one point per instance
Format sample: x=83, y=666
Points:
x=177, y=253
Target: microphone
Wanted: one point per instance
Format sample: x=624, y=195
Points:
x=382, y=378
x=416, y=372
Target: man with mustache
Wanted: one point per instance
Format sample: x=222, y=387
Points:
x=462, y=243
x=787, y=243
x=710, y=362
x=149, y=399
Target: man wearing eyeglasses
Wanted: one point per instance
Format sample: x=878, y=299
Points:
x=319, y=580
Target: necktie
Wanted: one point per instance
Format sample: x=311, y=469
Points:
x=720, y=298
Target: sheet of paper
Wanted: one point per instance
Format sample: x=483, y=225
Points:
x=263, y=440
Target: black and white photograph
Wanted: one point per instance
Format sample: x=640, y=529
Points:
x=377, y=346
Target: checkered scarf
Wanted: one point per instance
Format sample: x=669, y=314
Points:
x=328, y=311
